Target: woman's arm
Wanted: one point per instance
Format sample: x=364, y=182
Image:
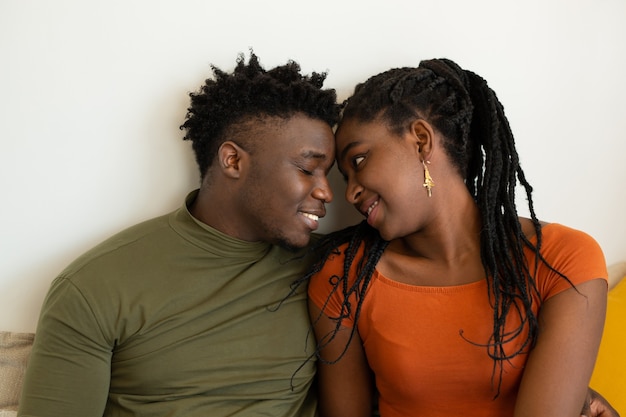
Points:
x=559, y=368
x=346, y=387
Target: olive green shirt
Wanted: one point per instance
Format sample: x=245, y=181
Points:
x=173, y=318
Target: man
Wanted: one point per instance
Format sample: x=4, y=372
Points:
x=190, y=314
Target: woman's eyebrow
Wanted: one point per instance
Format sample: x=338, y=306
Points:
x=345, y=150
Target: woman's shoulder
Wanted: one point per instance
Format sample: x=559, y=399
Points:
x=554, y=233
x=562, y=245
x=571, y=251
x=559, y=233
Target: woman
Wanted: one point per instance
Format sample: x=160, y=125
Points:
x=444, y=301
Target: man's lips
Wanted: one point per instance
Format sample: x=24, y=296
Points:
x=312, y=217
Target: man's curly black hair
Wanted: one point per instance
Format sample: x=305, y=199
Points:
x=252, y=93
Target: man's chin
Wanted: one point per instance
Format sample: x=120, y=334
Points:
x=293, y=245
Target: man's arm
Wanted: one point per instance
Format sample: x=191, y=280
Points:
x=597, y=406
x=69, y=368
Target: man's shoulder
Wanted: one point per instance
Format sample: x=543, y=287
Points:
x=123, y=243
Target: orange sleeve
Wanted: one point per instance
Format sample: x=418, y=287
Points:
x=571, y=252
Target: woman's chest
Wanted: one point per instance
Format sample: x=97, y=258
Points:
x=433, y=343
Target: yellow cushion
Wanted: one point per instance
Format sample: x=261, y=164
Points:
x=609, y=375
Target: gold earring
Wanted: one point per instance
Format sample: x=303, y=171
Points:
x=428, y=180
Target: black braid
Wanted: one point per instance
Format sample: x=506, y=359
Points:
x=355, y=237
x=479, y=141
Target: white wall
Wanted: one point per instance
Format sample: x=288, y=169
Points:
x=92, y=94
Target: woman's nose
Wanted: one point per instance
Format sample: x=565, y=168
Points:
x=353, y=191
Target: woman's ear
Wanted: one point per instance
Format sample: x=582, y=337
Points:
x=230, y=158
x=423, y=134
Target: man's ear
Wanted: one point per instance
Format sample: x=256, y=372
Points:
x=230, y=158
x=423, y=134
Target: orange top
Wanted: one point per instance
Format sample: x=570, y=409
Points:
x=426, y=344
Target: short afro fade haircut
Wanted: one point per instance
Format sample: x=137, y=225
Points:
x=251, y=92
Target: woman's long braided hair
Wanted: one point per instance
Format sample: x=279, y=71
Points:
x=480, y=143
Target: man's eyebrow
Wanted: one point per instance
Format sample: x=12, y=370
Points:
x=313, y=154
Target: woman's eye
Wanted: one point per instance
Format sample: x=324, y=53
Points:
x=357, y=160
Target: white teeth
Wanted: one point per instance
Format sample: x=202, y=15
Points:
x=311, y=216
x=369, y=210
